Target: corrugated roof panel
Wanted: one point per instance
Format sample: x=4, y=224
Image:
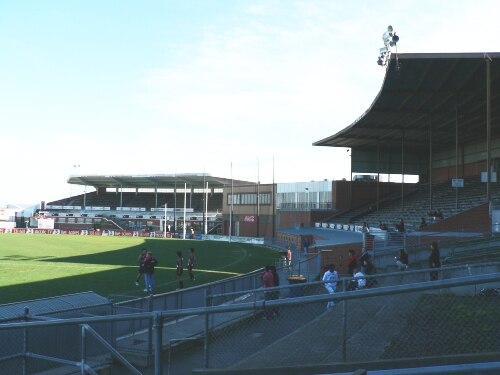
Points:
x=50, y=305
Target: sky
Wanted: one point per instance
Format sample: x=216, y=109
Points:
x=237, y=89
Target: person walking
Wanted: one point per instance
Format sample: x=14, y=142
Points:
x=191, y=261
x=276, y=293
x=268, y=282
x=140, y=260
x=434, y=260
x=288, y=256
x=330, y=279
x=179, y=268
x=150, y=262
x=402, y=260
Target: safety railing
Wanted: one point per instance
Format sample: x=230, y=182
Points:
x=405, y=316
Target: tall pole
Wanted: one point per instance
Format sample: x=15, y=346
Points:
x=184, y=219
x=402, y=171
x=430, y=165
x=488, y=126
x=206, y=209
x=274, y=203
x=85, y=197
x=456, y=150
x=231, y=206
x=350, y=181
x=205, y=212
x=165, y=223
x=175, y=207
x=258, y=198
x=378, y=172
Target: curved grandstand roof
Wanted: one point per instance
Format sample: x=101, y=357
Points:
x=152, y=181
x=428, y=89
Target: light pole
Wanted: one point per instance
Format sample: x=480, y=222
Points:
x=390, y=40
x=206, y=210
x=165, y=223
x=75, y=168
x=307, y=198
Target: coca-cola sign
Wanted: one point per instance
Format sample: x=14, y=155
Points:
x=249, y=219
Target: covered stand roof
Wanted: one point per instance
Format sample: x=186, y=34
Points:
x=424, y=90
x=152, y=181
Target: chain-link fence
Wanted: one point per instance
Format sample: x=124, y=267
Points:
x=424, y=320
x=402, y=319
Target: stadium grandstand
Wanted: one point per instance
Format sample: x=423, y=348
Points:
x=149, y=203
x=435, y=118
x=171, y=205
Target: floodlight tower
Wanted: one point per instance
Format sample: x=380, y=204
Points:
x=390, y=42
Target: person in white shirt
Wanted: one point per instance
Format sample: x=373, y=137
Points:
x=359, y=279
x=330, y=279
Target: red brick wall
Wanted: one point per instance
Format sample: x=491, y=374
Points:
x=338, y=255
x=475, y=220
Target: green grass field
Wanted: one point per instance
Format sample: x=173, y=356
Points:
x=38, y=266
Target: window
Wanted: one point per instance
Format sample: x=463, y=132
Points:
x=249, y=199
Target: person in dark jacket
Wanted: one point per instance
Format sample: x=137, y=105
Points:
x=434, y=260
x=352, y=262
x=402, y=260
x=141, y=271
x=150, y=262
x=179, y=269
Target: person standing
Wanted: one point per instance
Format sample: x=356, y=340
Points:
x=268, y=281
x=365, y=228
x=434, y=260
x=306, y=245
x=400, y=226
x=140, y=260
x=330, y=279
x=352, y=262
x=288, y=256
x=276, y=293
x=366, y=262
x=150, y=262
x=179, y=269
x=191, y=261
x=402, y=260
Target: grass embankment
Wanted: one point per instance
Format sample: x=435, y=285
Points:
x=444, y=324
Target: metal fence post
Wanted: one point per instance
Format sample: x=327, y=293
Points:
x=84, y=349
x=158, y=332
x=205, y=344
x=25, y=340
x=344, y=330
x=150, y=328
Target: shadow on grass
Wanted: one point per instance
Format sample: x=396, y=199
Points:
x=105, y=283
x=212, y=259
x=238, y=258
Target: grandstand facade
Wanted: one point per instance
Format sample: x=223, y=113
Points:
x=172, y=205
x=437, y=116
